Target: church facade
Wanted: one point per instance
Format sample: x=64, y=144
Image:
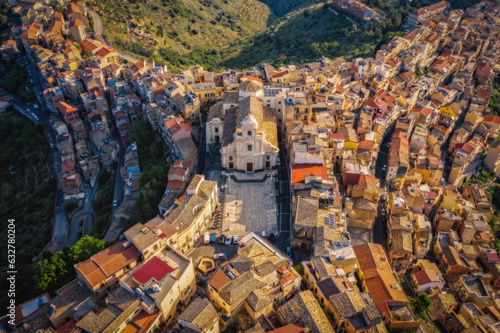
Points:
x=245, y=130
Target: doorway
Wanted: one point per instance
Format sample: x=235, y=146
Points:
x=249, y=167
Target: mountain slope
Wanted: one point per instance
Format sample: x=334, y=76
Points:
x=282, y=7
x=239, y=34
x=181, y=25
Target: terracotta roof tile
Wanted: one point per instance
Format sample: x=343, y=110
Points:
x=219, y=280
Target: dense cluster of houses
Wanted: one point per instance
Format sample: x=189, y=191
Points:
x=425, y=95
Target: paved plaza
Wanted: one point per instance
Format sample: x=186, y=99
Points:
x=250, y=203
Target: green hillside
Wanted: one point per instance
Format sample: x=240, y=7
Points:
x=282, y=7
x=181, y=25
x=239, y=34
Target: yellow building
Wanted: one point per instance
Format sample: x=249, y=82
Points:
x=204, y=91
x=451, y=110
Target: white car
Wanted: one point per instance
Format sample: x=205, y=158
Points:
x=235, y=240
x=229, y=238
x=115, y=203
x=220, y=256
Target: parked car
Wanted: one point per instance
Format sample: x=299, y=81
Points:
x=289, y=252
x=36, y=106
x=115, y=203
x=383, y=212
x=221, y=239
x=229, y=238
x=263, y=233
x=206, y=238
x=220, y=256
x=200, y=281
x=31, y=80
x=272, y=238
x=382, y=197
x=213, y=239
x=235, y=240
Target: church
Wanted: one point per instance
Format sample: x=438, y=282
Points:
x=244, y=129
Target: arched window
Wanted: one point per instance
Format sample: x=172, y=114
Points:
x=249, y=133
x=268, y=157
x=230, y=158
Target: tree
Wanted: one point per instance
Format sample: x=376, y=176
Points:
x=85, y=247
x=424, y=301
x=49, y=273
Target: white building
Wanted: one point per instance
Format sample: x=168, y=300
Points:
x=249, y=140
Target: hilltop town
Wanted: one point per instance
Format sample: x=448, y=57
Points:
x=341, y=195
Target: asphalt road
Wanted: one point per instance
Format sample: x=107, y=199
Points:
x=380, y=225
x=98, y=34
x=60, y=228
x=283, y=239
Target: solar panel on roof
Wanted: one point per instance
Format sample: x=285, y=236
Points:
x=330, y=221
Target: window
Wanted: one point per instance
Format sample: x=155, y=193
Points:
x=155, y=247
x=249, y=147
x=268, y=157
x=230, y=158
x=279, y=102
x=249, y=133
x=216, y=130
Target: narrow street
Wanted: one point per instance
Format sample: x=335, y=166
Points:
x=380, y=225
x=283, y=239
x=60, y=226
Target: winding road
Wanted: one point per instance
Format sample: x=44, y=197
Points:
x=99, y=36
